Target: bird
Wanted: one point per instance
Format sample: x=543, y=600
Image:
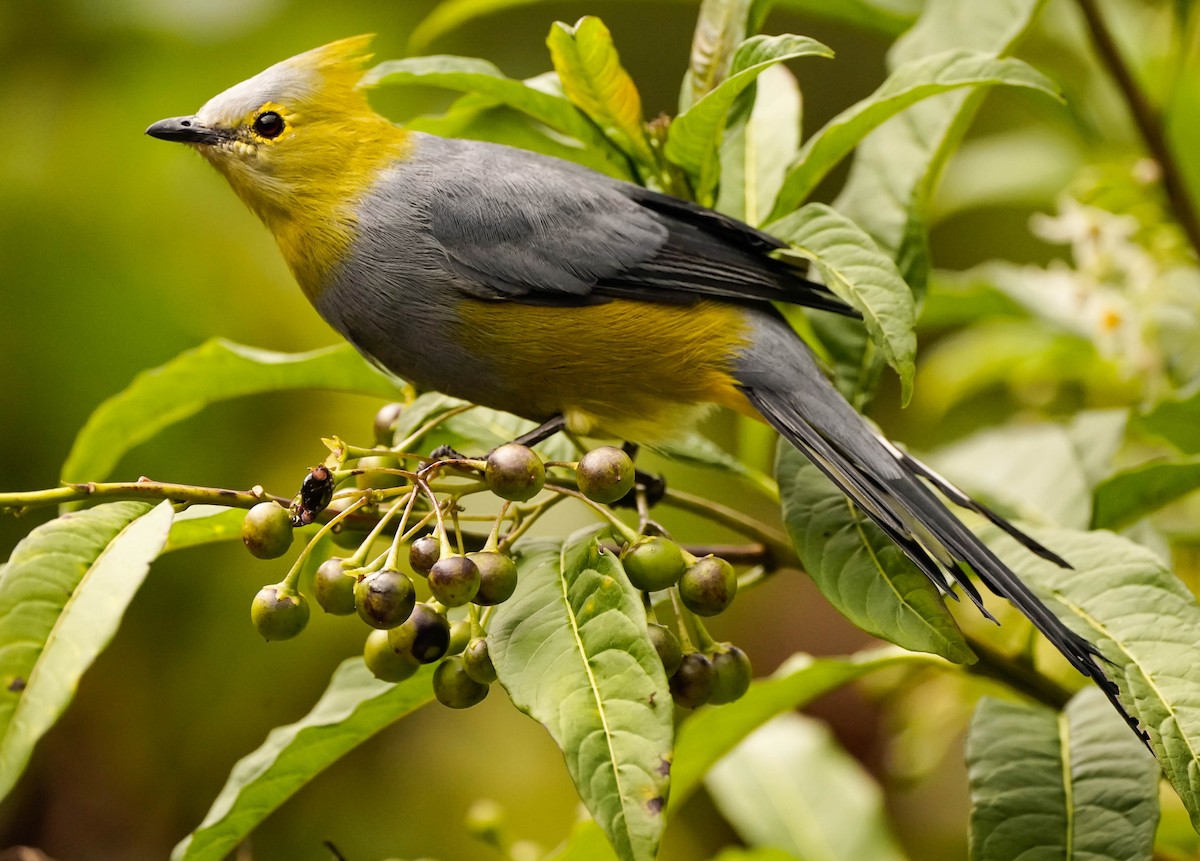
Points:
x=541, y=288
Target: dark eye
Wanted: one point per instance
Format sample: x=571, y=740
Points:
x=268, y=125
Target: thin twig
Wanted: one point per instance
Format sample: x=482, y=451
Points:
x=1148, y=121
x=1018, y=675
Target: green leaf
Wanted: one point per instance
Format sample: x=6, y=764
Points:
x=1175, y=419
x=571, y=649
x=63, y=593
x=586, y=842
x=204, y=524
x=855, y=269
x=1075, y=785
x=694, y=138
x=896, y=169
x=354, y=707
x=791, y=786
x=595, y=81
x=470, y=75
x=858, y=569
x=1144, y=620
x=909, y=84
x=1042, y=473
x=887, y=17
x=761, y=139
x=720, y=28
x=695, y=448
x=1132, y=494
x=216, y=371
x=711, y=733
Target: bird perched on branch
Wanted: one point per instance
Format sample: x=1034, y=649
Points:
x=544, y=289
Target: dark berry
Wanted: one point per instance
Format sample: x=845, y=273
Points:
x=422, y=553
x=477, y=663
x=334, y=588
x=424, y=636
x=653, y=563
x=278, y=614
x=454, y=580
x=667, y=645
x=497, y=577
x=605, y=474
x=385, y=423
x=515, y=472
x=384, y=599
x=708, y=586
x=267, y=530
x=454, y=688
x=732, y=672
x=384, y=662
x=692, y=684
x=316, y=491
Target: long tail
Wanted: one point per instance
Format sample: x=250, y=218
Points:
x=780, y=378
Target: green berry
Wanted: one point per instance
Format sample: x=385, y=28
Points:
x=334, y=588
x=375, y=479
x=384, y=599
x=424, y=636
x=667, y=645
x=515, y=472
x=423, y=553
x=267, y=530
x=454, y=688
x=605, y=474
x=497, y=577
x=477, y=663
x=732, y=674
x=460, y=635
x=384, y=662
x=454, y=580
x=385, y=423
x=692, y=684
x=708, y=586
x=653, y=563
x=278, y=614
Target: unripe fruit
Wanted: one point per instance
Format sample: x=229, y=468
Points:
x=477, y=663
x=384, y=599
x=278, y=614
x=653, y=563
x=424, y=636
x=454, y=688
x=369, y=480
x=708, y=586
x=384, y=662
x=515, y=472
x=334, y=588
x=497, y=577
x=460, y=635
x=267, y=530
x=667, y=645
x=605, y=474
x=454, y=580
x=423, y=553
x=732, y=674
x=692, y=684
x=385, y=423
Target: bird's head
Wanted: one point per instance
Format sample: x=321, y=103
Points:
x=291, y=136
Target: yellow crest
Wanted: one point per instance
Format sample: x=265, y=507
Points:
x=341, y=62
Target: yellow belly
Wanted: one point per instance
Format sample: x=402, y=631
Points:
x=636, y=370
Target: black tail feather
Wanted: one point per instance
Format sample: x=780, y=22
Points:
x=886, y=485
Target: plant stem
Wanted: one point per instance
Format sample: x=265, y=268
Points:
x=21, y=501
x=1148, y=121
x=774, y=542
x=1016, y=674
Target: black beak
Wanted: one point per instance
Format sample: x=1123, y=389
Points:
x=185, y=130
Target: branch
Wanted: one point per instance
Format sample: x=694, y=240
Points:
x=1148, y=122
x=1019, y=675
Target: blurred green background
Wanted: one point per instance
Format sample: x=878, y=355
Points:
x=118, y=252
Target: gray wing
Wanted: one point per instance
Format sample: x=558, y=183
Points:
x=519, y=226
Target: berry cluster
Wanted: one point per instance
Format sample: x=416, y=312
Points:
x=369, y=494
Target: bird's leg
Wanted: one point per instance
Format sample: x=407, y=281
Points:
x=531, y=438
x=651, y=487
